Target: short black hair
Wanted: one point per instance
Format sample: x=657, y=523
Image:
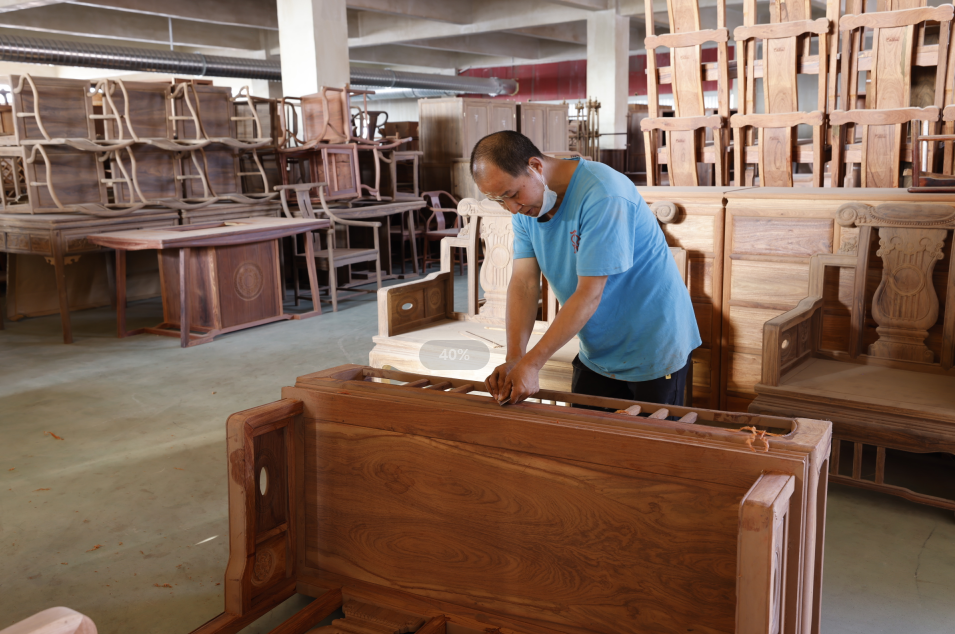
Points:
x=510, y=151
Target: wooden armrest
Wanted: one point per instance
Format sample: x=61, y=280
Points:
x=883, y=117
x=761, y=558
x=693, y=38
x=681, y=123
x=779, y=346
x=782, y=29
x=900, y=17
x=783, y=120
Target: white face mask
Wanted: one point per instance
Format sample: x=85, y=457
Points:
x=550, y=196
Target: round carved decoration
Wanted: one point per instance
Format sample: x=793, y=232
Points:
x=248, y=281
x=263, y=568
x=499, y=257
x=906, y=280
x=434, y=298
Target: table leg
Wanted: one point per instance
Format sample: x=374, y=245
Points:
x=9, y=281
x=414, y=246
x=313, y=274
x=59, y=267
x=384, y=237
x=120, y=293
x=183, y=298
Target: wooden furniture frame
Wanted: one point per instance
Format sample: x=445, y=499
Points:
x=214, y=274
x=63, y=237
x=685, y=141
x=892, y=388
x=784, y=51
x=359, y=508
x=441, y=230
x=888, y=96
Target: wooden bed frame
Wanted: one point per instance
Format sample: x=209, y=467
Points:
x=425, y=502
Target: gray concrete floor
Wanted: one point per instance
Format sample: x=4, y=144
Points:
x=123, y=517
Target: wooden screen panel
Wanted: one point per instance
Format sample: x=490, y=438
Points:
x=148, y=110
x=248, y=282
x=507, y=529
x=778, y=284
x=782, y=236
x=156, y=173
x=202, y=308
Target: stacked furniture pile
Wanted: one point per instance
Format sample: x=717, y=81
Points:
x=863, y=132
x=87, y=157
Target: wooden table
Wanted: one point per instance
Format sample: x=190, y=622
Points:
x=226, y=274
x=60, y=236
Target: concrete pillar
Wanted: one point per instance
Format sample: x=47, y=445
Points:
x=608, y=65
x=313, y=37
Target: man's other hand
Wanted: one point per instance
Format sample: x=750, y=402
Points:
x=522, y=381
x=496, y=381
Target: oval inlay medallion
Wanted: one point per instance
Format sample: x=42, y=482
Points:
x=248, y=281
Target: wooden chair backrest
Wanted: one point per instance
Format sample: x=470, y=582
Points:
x=888, y=65
x=214, y=111
x=785, y=49
x=58, y=108
x=144, y=107
x=326, y=116
x=905, y=305
x=528, y=506
x=438, y=211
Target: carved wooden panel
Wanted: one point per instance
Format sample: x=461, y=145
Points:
x=40, y=244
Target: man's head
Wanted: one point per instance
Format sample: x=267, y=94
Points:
x=508, y=168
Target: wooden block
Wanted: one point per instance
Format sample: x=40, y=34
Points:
x=782, y=236
x=745, y=326
x=769, y=283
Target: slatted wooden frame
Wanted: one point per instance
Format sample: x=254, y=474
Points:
x=685, y=145
x=897, y=46
x=784, y=49
x=760, y=528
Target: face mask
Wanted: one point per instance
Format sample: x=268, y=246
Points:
x=550, y=196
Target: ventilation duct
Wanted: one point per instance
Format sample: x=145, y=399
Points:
x=40, y=51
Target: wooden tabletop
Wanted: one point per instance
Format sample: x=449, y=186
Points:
x=239, y=231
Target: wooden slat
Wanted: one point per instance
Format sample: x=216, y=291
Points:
x=900, y=18
x=681, y=40
x=857, y=461
x=785, y=29
x=312, y=614
x=880, y=465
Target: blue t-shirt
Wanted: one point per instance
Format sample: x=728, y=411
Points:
x=644, y=327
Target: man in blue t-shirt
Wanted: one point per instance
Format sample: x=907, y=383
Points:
x=592, y=235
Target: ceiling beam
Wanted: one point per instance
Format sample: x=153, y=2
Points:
x=568, y=32
x=588, y=5
x=71, y=19
x=260, y=14
x=17, y=5
x=453, y=11
x=488, y=16
x=498, y=45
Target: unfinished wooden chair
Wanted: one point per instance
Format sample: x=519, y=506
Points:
x=436, y=228
x=769, y=139
x=331, y=257
x=873, y=349
x=896, y=48
x=685, y=133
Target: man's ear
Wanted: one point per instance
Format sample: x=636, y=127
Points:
x=535, y=164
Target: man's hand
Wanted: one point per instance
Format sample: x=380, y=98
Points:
x=522, y=381
x=495, y=382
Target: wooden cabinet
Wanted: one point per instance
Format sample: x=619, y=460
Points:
x=451, y=127
x=545, y=124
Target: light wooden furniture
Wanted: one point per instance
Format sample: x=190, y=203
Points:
x=685, y=146
x=450, y=127
x=888, y=109
x=785, y=50
x=329, y=258
x=53, y=621
x=63, y=238
x=425, y=498
x=770, y=238
x=216, y=278
x=545, y=124
x=892, y=388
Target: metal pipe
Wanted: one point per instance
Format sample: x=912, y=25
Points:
x=58, y=53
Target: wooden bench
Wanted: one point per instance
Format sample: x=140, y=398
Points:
x=893, y=387
x=422, y=507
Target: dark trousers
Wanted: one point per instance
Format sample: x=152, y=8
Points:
x=665, y=391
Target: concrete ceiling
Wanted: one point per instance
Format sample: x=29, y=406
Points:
x=437, y=35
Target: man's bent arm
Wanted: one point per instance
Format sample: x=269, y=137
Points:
x=523, y=296
x=571, y=317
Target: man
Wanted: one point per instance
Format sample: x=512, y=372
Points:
x=587, y=229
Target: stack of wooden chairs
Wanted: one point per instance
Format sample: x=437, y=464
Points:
x=863, y=134
x=110, y=147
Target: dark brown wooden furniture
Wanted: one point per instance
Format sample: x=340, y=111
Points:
x=423, y=496
x=893, y=388
x=436, y=227
x=216, y=278
x=63, y=237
